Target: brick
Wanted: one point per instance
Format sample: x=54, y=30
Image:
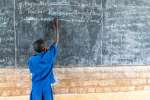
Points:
x=146, y=87
x=106, y=83
x=2, y=79
x=82, y=90
x=8, y=84
x=63, y=90
x=148, y=81
x=115, y=89
x=138, y=81
x=131, y=74
x=73, y=90
x=140, y=87
x=99, y=89
x=5, y=93
x=122, y=82
x=74, y=84
x=124, y=88
x=64, y=83
x=107, y=89
x=144, y=75
x=80, y=80
x=91, y=89
x=131, y=88
x=90, y=83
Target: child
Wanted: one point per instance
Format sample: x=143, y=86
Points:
x=41, y=67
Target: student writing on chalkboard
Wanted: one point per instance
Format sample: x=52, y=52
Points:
x=41, y=67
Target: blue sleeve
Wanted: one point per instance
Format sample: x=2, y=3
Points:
x=50, y=55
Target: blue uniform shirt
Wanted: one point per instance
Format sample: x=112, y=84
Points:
x=41, y=67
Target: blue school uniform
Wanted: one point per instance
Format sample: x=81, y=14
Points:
x=41, y=67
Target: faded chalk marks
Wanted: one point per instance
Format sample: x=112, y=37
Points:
x=7, y=53
x=94, y=32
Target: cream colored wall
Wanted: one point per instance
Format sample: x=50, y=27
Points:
x=139, y=95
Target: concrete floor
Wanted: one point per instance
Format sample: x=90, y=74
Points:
x=139, y=95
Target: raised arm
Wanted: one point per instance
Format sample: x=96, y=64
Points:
x=51, y=53
x=56, y=26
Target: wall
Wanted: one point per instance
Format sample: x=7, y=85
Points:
x=80, y=80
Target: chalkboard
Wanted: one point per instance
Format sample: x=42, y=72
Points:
x=127, y=32
x=93, y=32
x=7, y=37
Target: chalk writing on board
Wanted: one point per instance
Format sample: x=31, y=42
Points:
x=67, y=20
x=7, y=54
x=35, y=9
x=104, y=32
x=3, y=21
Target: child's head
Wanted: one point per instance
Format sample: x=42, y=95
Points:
x=38, y=45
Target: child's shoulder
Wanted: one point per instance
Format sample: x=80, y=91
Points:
x=32, y=57
x=36, y=56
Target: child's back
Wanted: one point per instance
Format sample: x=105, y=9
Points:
x=41, y=67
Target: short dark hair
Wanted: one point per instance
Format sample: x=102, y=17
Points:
x=38, y=45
